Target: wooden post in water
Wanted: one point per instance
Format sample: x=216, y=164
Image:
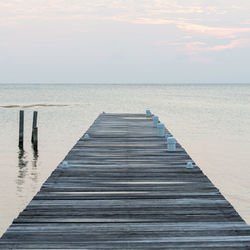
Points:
x=34, y=125
x=21, y=128
x=35, y=138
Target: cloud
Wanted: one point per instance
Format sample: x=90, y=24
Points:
x=188, y=16
x=226, y=32
x=222, y=32
x=142, y=20
x=238, y=43
x=197, y=47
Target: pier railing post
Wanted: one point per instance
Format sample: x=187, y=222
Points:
x=171, y=141
x=21, y=128
x=160, y=129
x=189, y=165
x=148, y=113
x=155, y=121
x=86, y=137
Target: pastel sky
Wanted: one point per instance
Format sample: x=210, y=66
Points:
x=125, y=41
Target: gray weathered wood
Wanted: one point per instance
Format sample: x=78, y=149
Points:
x=34, y=126
x=35, y=138
x=122, y=189
x=21, y=129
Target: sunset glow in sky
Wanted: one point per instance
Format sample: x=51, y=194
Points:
x=125, y=41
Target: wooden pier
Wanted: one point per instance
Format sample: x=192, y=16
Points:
x=122, y=189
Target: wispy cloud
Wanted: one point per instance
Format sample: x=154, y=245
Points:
x=227, y=32
x=187, y=16
x=238, y=43
x=142, y=20
x=223, y=31
x=195, y=47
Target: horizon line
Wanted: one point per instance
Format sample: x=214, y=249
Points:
x=125, y=83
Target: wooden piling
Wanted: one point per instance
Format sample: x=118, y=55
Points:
x=35, y=138
x=21, y=128
x=34, y=125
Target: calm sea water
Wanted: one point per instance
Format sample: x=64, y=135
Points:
x=212, y=122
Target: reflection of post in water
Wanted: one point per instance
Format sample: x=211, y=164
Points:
x=27, y=172
x=21, y=159
x=35, y=155
x=35, y=158
x=22, y=169
x=34, y=173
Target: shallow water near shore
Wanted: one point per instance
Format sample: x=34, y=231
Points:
x=210, y=121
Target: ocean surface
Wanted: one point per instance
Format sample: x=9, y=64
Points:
x=212, y=122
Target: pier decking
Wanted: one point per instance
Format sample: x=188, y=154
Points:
x=124, y=190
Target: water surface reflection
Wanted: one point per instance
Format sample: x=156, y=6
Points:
x=27, y=175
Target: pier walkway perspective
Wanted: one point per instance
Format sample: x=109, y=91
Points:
x=121, y=187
